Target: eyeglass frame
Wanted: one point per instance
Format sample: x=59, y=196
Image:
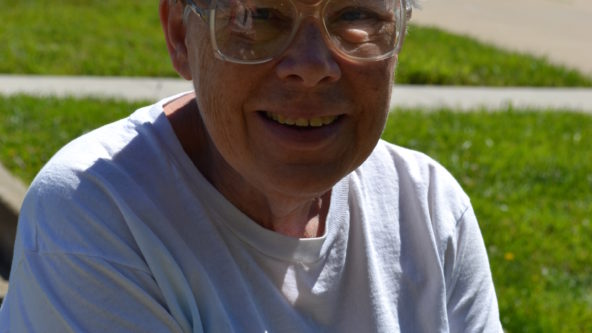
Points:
x=206, y=13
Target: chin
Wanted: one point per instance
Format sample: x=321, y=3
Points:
x=305, y=181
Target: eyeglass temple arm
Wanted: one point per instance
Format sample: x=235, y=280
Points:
x=408, y=10
x=201, y=12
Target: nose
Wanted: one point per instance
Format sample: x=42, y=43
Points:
x=308, y=60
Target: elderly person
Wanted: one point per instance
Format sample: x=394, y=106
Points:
x=263, y=201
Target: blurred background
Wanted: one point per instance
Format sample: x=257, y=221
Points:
x=556, y=29
x=527, y=170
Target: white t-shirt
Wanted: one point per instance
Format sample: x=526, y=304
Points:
x=121, y=233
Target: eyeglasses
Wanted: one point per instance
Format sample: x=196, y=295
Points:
x=256, y=31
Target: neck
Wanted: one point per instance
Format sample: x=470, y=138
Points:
x=291, y=215
x=288, y=214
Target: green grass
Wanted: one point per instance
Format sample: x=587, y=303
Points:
x=82, y=37
x=432, y=56
x=33, y=129
x=123, y=37
x=529, y=174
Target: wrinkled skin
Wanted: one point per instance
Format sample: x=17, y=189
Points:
x=279, y=175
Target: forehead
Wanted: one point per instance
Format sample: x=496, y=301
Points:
x=359, y=2
x=309, y=2
x=355, y=3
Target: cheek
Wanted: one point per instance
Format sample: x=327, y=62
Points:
x=380, y=80
x=221, y=111
x=375, y=86
x=223, y=117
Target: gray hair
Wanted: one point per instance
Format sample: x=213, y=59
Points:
x=187, y=10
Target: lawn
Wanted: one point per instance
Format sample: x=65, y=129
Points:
x=433, y=56
x=33, y=129
x=123, y=38
x=529, y=174
x=82, y=37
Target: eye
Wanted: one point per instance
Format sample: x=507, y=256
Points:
x=268, y=14
x=262, y=14
x=354, y=14
x=271, y=18
x=245, y=16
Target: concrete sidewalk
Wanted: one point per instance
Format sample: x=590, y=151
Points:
x=428, y=97
x=557, y=29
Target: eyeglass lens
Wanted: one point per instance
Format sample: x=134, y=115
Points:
x=250, y=30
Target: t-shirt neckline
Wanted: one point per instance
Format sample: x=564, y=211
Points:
x=225, y=215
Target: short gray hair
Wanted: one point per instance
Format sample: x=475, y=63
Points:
x=187, y=10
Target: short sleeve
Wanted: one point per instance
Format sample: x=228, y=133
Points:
x=471, y=300
x=53, y=292
x=76, y=267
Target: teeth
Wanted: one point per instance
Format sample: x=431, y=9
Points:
x=316, y=122
x=301, y=122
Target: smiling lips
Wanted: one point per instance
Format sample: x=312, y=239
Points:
x=301, y=122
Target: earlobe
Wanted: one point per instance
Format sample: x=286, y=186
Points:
x=171, y=19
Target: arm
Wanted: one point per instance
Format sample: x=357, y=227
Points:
x=77, y=268
x=57, y=292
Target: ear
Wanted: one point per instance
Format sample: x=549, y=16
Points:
x=171, y=19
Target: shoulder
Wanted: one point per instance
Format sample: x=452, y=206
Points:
x=74, y=198
x=85, y=152
x=83, y=161
x=407, y=162
x=407, y=191
x=416, y=177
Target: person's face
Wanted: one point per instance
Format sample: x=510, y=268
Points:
x=297, y=124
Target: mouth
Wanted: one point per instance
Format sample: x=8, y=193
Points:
x=300, y=121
